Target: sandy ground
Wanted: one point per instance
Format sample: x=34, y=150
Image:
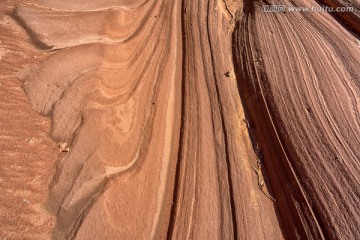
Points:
x=27, y=153
x=169, y=119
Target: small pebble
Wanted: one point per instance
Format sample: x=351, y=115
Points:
x=30, y=140
x=228, y=74
x=64, y=147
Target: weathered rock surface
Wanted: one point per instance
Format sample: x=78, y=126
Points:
x=159, y=111
x=301, y=85
x=27, y=154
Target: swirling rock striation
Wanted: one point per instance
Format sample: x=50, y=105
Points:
x=166, y=106
x=299, y=77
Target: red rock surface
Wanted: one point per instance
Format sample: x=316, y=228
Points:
x=154, y=114
x=27, y=154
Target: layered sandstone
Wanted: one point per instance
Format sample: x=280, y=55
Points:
x=158, y=111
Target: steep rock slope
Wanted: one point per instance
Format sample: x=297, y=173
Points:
x=299, y=76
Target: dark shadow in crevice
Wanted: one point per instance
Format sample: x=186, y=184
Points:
x=281, y=175
x=33, y=37
x=348, y=20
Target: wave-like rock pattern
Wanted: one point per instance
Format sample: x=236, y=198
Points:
x=301, y=70
x=350, y=19
x=107, y=101
x=147, y=97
